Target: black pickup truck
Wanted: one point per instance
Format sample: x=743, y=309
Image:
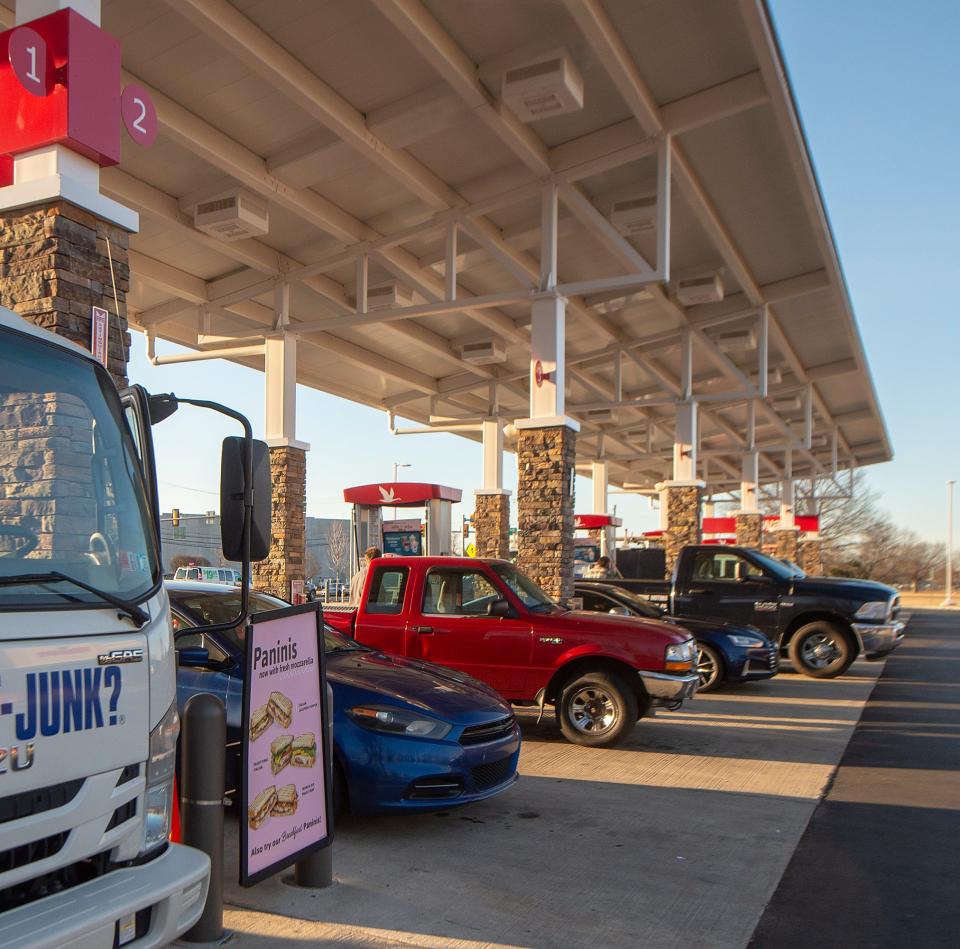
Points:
x=821, y=623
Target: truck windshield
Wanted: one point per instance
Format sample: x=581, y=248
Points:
x=529, y=594
x=774, y=567
x=72, y=499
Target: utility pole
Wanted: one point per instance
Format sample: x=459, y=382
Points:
x=948, y=597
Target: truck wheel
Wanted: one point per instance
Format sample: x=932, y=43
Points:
x=597, y=709
x=710, y=668
x=821, y=650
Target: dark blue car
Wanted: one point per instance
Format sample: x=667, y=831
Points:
x=725, y=653
x=407, y=735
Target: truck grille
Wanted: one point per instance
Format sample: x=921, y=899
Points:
x=489, y=775
x=490, y=731
x=54, y=882
x=28, y=803
x=32, y=852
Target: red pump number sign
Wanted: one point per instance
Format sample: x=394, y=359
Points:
x=60, y=85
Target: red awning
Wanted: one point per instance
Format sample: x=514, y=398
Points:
x=400, y=494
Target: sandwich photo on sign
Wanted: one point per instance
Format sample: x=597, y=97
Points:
x=259, y=810
x=280, y=751
x=286, y=802
x=304, y=751
x=260, y=721
x=281, y=708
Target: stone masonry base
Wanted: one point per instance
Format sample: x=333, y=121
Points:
x=545, y=468
x=810, y=557
x=54, y=267
x=683, y=520
x=491, y=518
x=750, y=530
x=787, y=542
x=287, y=558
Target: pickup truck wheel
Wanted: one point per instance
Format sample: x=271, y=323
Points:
x=709, y=668
x=597, y=709
x=821, y=650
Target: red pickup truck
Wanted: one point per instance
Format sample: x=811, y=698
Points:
x=484, y=617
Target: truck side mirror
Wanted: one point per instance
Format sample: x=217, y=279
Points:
x=499, y=608
x=232, y=486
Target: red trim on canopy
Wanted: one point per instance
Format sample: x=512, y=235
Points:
x=593, y=521
x=400, y=494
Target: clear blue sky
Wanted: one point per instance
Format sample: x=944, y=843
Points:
x=876, y=82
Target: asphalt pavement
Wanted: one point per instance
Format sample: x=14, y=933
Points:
x=878, y=866
x=674, y=840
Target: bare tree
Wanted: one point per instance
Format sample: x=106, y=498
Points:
x=337, y=546
x=185, y=560
x=311, y=564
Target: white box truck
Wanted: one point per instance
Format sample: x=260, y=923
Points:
x=88, y=712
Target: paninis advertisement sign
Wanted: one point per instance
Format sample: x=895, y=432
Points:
x=286, y=799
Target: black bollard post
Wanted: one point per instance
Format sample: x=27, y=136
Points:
x=203, y=765
x=316, y=869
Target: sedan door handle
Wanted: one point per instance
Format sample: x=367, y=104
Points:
x=422, y=629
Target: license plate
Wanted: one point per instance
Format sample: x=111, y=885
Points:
x=126, y=929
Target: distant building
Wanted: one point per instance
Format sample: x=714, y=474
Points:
x=198, y=535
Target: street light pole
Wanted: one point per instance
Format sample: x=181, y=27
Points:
x=948, y=598
x=396, y=466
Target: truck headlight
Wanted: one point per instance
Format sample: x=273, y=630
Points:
x=876, y=611
x=158, y=799
x=397, y=721
x=680, y=657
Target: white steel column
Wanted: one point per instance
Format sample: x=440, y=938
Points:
x=492, y=455
x=547, y=352
x=685, y=442
x=787, y=513
x=749, y=478
x=280, y=377
x=598, y=472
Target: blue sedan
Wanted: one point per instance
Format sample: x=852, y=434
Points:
x=407, y=735
x=725, y=653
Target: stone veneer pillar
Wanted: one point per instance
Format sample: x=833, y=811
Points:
x=682, y=522
x=286, y=560
x=545, y=467
x=810, y=557
x=54, y=268
x=491, y=520
x=749, y=529
x=787, y=542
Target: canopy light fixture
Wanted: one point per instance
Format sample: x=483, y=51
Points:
x=544, y=88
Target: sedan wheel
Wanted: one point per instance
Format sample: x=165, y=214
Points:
x=709, y=668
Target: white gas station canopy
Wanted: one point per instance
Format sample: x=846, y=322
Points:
x=362, y=146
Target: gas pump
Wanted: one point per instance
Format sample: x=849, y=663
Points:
x=368, y=529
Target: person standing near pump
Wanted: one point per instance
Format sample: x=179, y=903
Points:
x=603, y=569
x=360, y=577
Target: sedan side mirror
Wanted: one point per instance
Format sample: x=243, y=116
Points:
x=193, y=657
x=619, y=611
x=499, y=608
